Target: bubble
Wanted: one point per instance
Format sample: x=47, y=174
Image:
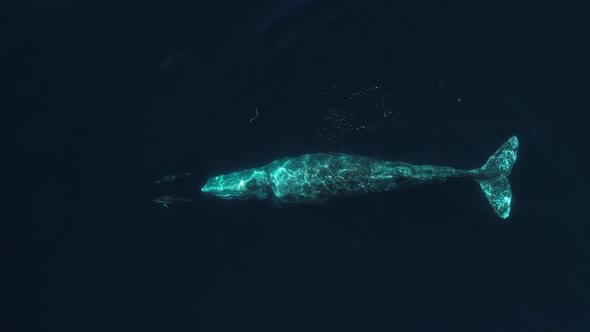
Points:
x=349, y=116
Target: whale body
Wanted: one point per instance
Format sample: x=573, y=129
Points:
x=318, y=177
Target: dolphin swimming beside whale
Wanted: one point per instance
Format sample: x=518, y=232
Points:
x=318, y=177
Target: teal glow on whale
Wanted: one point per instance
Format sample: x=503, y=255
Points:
x=318, y=177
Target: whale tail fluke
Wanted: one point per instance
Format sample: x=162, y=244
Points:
x=492, y=177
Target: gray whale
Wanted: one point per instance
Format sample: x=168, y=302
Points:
x=318, y=177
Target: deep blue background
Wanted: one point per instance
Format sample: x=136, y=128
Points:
x=98, y=120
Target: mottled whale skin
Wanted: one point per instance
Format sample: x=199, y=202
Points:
x=318, y=177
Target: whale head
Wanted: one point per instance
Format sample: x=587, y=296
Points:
x=248, y=184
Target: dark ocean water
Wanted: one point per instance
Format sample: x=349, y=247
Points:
x=112, y=95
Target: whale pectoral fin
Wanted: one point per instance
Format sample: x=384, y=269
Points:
x=499, y=195
x=276, y=203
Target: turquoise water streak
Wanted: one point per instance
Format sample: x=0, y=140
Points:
x=318, y=177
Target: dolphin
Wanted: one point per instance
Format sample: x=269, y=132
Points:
x=171, y=177
x=319, y=177
x=167, y=200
